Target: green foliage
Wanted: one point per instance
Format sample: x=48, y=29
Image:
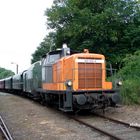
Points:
x=5, y=73
x=130, y=73
x=45, y=46
x=130, y=91
x=109, y=27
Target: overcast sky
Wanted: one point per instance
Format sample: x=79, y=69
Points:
x=22, y=28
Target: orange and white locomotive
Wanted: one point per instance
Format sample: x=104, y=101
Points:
x=77, y=80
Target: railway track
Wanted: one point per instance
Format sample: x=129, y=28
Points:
x=4, y=130
x=112, y=128
x=136, y=126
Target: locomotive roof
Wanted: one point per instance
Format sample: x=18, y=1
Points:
x=59, y=51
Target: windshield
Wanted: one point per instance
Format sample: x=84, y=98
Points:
x=53, y=58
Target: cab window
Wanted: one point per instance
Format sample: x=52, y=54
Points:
x=53, y=58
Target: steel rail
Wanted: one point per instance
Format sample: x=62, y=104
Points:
x=118, y=121
x=5, y=130
x=4, y=133
x=97, y=129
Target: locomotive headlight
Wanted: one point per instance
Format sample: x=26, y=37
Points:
x=69, y=83
x=119, y=83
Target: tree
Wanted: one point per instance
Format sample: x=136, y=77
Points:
x=5, y=73
x=109, y=27
x=45, y=46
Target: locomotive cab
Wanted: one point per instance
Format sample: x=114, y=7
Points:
x=48, y=61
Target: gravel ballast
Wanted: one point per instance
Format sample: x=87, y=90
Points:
x=28, y=120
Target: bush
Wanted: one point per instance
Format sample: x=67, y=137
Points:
x=130, y=73
x=130, y=91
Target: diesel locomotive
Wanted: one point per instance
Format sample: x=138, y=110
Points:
x=70, y=80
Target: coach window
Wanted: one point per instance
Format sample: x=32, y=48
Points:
x=43, y=74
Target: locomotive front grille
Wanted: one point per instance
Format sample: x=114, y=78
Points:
x=89, y=75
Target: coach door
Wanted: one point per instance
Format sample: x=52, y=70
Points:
x=24, y=82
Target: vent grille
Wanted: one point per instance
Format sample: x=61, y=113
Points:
x=90, y=75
